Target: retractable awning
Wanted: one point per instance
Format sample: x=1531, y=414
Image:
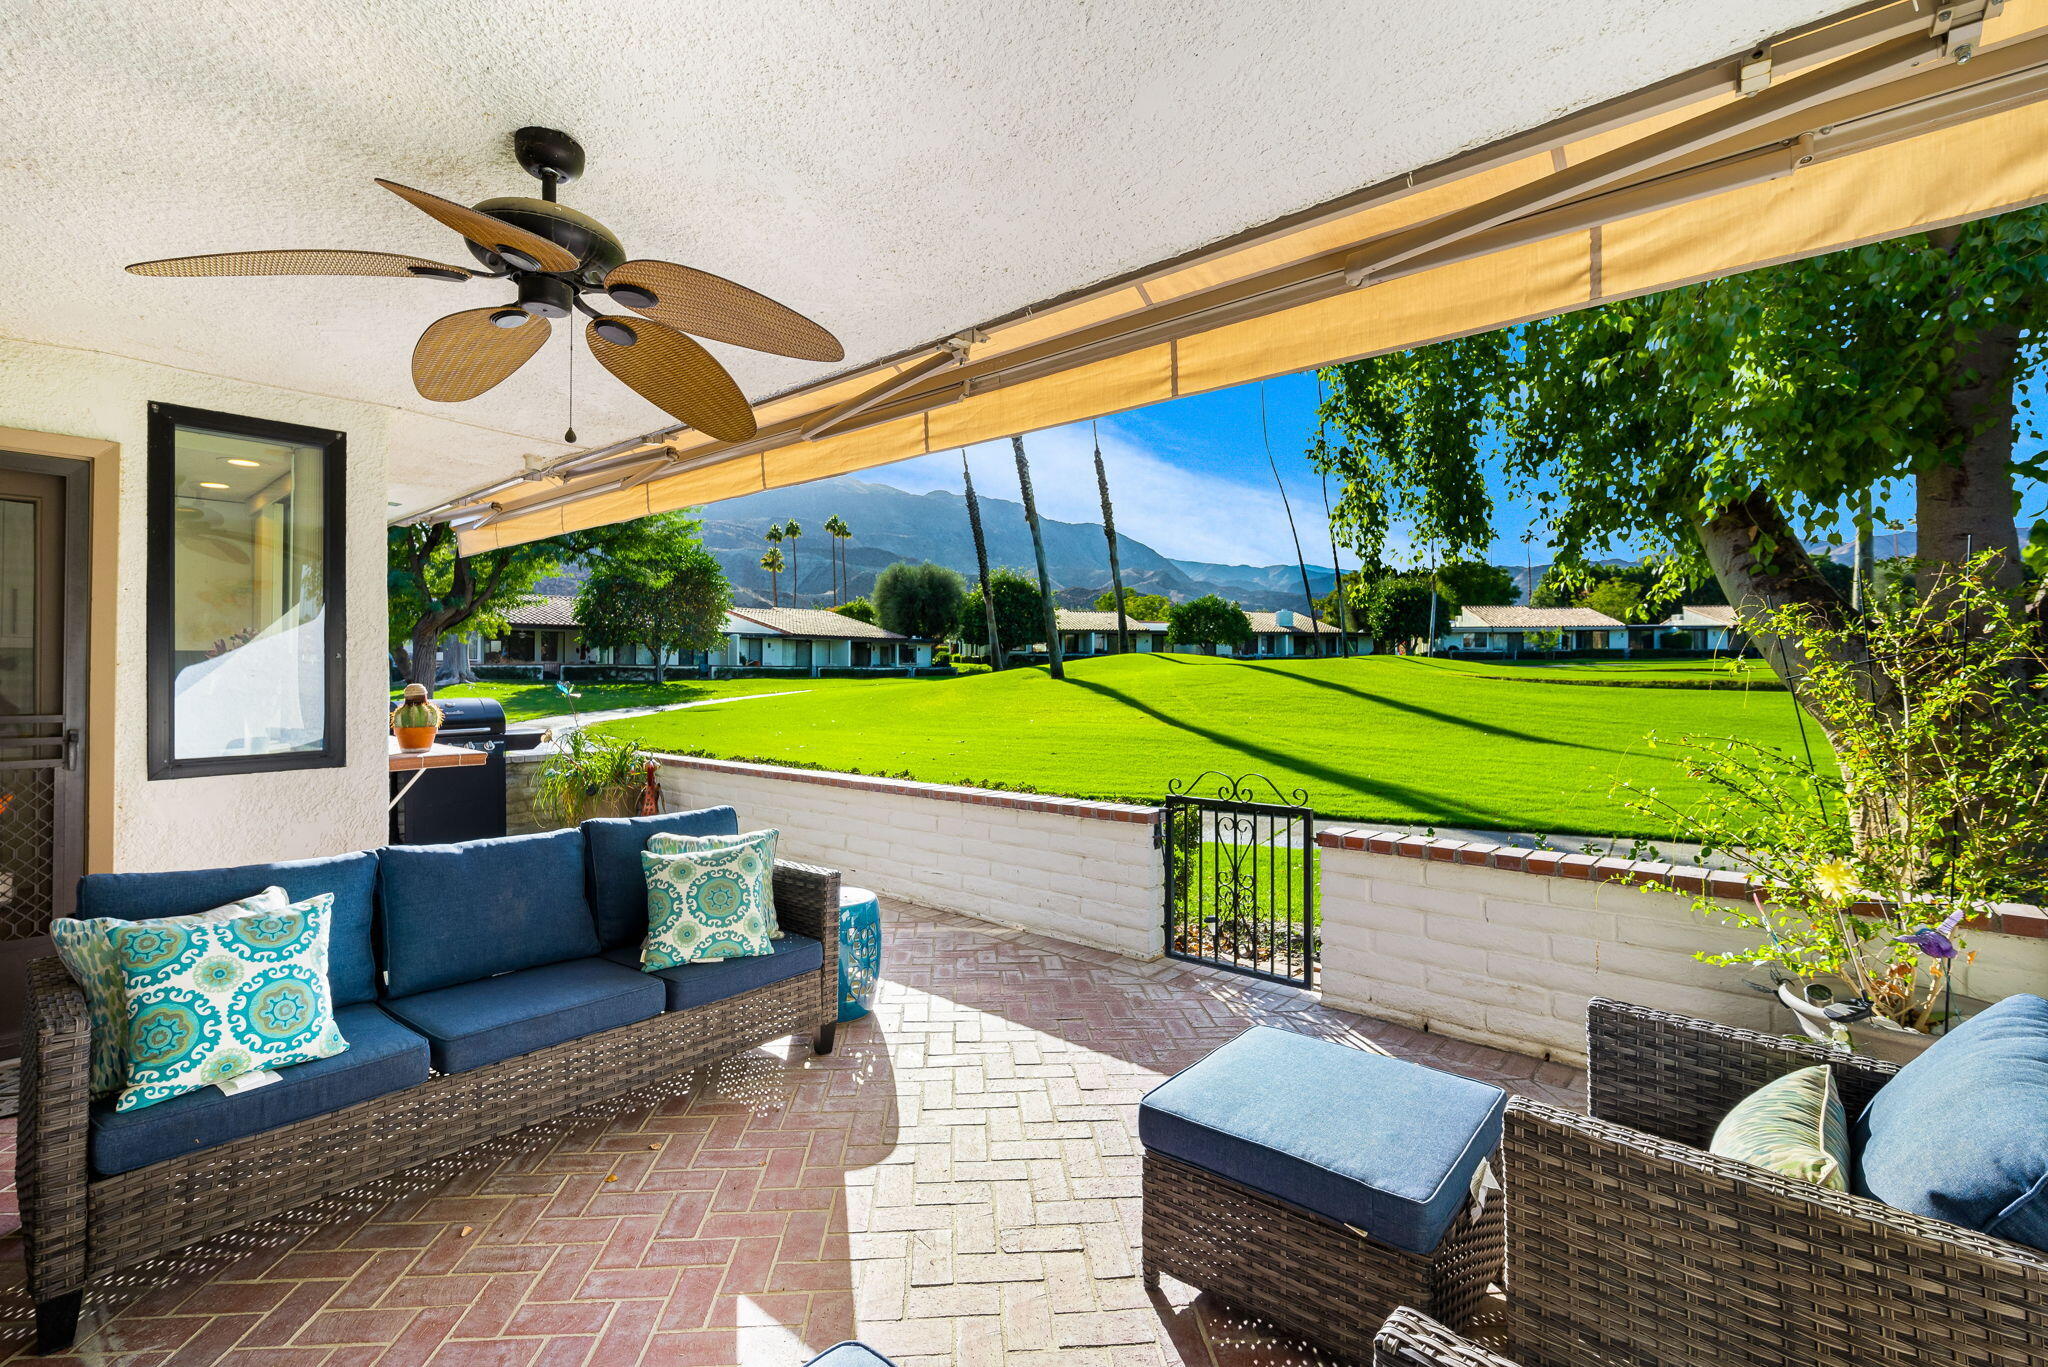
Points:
x=1890, y=118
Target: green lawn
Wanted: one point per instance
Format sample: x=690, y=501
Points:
x=525, y=701
x=1648, y=673
x=1374, y=739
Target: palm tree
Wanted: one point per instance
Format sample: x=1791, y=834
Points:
x=832, y=526
x=988, y=600
x=1116, y=573
x=841, y=534
x=1052, y=621
x=773, y=562
x=793, y=529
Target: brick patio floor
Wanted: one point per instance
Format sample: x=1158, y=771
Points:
x=958, y=1183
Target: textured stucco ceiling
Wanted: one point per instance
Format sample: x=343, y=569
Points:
x=897, y=171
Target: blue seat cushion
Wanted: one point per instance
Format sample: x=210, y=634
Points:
x=618, y=885
x=1386, y=1146
x=460, y=913
x=849, y=1354
x=1961, y=1134
x=691, y=985
x=352, y=878
x=473, y=1024
x=382, y=1057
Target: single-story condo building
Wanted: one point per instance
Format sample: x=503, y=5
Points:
x=544, y=637
x=1281, y=634
x=1699, y=626
x=1094, y=633
x=1511, y=630
x=1288, y=633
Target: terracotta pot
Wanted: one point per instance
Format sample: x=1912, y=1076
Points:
x=415, y=737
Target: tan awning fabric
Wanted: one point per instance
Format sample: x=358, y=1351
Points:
x=1863, y=128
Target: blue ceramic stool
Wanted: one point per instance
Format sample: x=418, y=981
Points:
x=860, y=951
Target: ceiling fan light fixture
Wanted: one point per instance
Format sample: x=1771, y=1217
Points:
x=635, y=296
x=617, y=331
x=516, y=259
x=511, y=316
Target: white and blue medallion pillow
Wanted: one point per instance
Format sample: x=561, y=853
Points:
x=89, y=957
x=213, y=1000
x=708, y=904
x=666, y=842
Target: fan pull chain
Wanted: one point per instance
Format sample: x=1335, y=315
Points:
x=570, y=434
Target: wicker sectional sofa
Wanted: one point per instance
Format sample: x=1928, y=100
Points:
x=483, y=987
x=1629, y=1243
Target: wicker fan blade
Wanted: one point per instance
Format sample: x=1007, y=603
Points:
x=485, y=230
x=465, y=354
x=674, y=374
x=711, y=306
x=311, y=262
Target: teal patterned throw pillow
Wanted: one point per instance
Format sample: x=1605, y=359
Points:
x=708, y=904
x=664, y=842
x=1794, y=1125
x=89, y=958
x=212, y=1000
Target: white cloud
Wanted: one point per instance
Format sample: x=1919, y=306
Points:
x=1179, y=511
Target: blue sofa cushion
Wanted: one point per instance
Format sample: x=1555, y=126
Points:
x=459, y=913
x=618, y=885
x=352, y=878
x=383, y=1057
x=1386, y=1146
x=473, y=1024
x=1961, y=1134
x=691, y=985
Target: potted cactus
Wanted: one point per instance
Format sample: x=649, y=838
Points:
x=416, y=718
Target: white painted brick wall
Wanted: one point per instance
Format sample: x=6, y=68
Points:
x=1509, y=958
x=1095, y=882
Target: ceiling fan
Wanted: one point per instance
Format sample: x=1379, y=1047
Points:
x=555, y=256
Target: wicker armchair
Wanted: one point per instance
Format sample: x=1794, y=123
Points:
x=1410, y=1338
x=1629, y=1244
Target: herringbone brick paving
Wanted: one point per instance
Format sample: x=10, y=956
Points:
x=957, y=1184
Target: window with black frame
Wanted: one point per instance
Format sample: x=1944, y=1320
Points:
x=245, y=623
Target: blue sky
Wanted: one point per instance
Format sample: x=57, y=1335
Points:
x=1189, y=478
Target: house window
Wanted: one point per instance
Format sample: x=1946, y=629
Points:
x=246, y=621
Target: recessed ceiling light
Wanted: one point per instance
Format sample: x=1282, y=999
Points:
x=245, y=464
x=209, y=484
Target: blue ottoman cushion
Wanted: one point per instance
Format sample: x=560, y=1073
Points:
x=849, y=1354
x=473, y=1024
x=382, y=1057
x=618, y=885
x=352, y=878
x=459, y=913
x=1961, y=1134
x=691, y=985
x=1385, y=1146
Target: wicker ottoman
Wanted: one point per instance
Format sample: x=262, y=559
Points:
x=1321, y=1187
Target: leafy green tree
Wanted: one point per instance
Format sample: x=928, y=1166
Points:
x=668, y=599
x=1019, y=612
x=433, y=592
x=1474, y=583
x=1397, y=609
x=859, y=609
x=1619, y=599
x=1139, y=607
x=1208, y=621
x=1726, y=423
x=921, y=600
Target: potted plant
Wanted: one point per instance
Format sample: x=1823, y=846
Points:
x=1866, y=870
x=416, y=718
x=590, y=775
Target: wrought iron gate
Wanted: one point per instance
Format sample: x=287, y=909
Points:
x=1241, y=877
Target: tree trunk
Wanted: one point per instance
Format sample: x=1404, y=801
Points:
x=660, y=661
x=464, y=671
x=401, y=660
x=1116, y=572
x=426, y=637
x=988, y=598
x=1964, y=506
x=1052, y=620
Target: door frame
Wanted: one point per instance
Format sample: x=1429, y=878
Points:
x=73, y=792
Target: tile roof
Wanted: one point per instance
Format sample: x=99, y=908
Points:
x=815, y=622
x=1270, y=622
x=1538, y=619
x=1071, y=620
x=1722, y=614
x=556, y=610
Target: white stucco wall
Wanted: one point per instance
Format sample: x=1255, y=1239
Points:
x=199, y=822
x=1083, y=871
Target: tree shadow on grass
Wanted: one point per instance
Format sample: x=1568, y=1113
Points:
x=1436, y=806
x=1447, y=718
